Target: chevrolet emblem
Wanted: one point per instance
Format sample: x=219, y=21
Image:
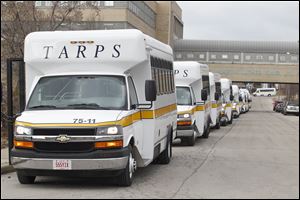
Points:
x=63, y=139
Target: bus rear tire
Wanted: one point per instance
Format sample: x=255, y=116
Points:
x=206, y=132
x=165, y=156
x=25, y=179
x=230, y=121
x=218, y=125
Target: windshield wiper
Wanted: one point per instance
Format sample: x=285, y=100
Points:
x=87, y=106
x=43, y=106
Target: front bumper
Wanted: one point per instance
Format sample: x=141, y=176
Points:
x=184, y=133
x=292, y=111
x=114, y=159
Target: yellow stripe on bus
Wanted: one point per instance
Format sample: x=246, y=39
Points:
x=125, y=121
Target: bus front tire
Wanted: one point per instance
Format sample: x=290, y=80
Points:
x=126, y=178
x=25, y=179
x=192, y=139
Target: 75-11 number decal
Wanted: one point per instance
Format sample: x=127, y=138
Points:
x=84, y=121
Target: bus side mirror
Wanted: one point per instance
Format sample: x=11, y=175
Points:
x=150, y=90
x=217, y=97
x=204, y=95
x=231, y=97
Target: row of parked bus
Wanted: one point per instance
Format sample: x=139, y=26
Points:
x=105, y=103
x=205, y=100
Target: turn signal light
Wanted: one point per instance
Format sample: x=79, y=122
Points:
x=184, y=123
x=23, y=144
x=110, y=144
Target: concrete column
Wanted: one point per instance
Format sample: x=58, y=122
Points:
x=207, y=56
x=242, y=57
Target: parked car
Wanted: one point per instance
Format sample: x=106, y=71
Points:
x=275, y=103
x=279, y=107
x=291, y=108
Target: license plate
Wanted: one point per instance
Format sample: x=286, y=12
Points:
x=62, y=164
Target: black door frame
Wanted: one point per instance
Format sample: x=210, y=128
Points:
x=10, y=103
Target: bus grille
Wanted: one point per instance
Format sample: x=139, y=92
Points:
x=64, y=131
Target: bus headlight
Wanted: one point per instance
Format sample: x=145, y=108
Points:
x=21, y=130
x=110, y=130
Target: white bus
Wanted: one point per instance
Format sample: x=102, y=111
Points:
x=192, y=89
x=227, y=98
x=246, y=99
x=215, y=98
x=98, y=103
x=236, y=105
x=265, y=92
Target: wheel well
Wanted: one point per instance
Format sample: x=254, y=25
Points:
x=132, y=142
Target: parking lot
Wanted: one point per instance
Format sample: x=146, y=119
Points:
x=255, y=157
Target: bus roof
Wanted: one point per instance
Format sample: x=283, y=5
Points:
x=187, y=72
x=103, y=50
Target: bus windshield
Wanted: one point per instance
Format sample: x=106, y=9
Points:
x=184, y=96
x=79, y=92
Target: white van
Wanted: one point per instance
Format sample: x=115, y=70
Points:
x=227, y=98
x=246, y=99
x=215, y=98
x=98, y=103
x=236, y=105
x=265, y=92
x=192, y=90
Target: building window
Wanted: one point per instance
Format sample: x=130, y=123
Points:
x=48, y=3
x=248, y=57
x=190, y=55
x=213, y=56
x=64, y=3
x=38, y=3
x=201, y=56
x=178, y=55
x=259, y=57
x=271, y=58
x=236, y=57
x=294, y=58
x=282, y=58
x=108, y=3
x=224, y=56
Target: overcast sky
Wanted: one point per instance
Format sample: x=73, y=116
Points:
x=207, y=20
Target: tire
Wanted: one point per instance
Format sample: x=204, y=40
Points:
x=126, y=178
x=218, y=125
x=192, y=139
x=25, y=179
x=206, y=132
x=230, y=122
x=269, y=95
x=165, y=156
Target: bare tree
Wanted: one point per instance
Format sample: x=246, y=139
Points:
x=19, y=18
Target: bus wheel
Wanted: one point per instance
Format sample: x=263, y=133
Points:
x=25, y=179
x=126, y=178
x=165, y=156
x=218, y=125
x=206, y=132
x=192, y=139
x=230, y=121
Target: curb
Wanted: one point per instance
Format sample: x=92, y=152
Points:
x=7, y=169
